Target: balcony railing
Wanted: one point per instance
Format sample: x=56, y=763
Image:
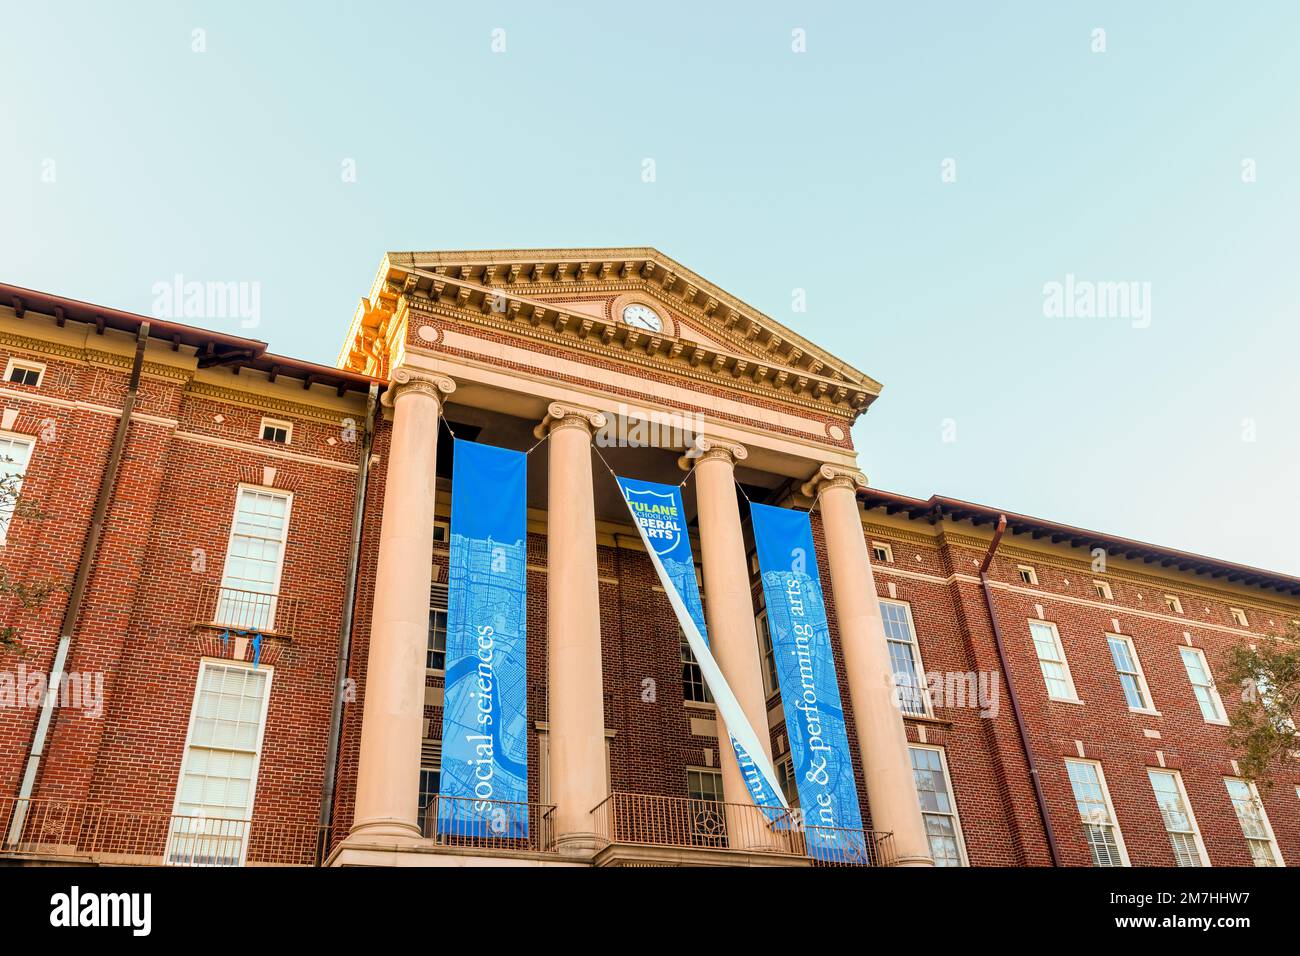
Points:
x=90, y=832
x=239, y=610
x=501, y=825
x=641, y=819
x=648, y=820
x=837, y=846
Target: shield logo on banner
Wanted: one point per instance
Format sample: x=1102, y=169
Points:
x=663, y=527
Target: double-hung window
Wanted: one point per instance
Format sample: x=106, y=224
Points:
x=15, y=455
x=694, y=690
x=938, y=811
x=1129, y=668
x=1254, y=822
x=435, y=658
x=250, y=583
x=1207, y=696
x=1180, y=822
x=1051, y=660
x=905, y=658
x=214, y=801
x=770, y=680
x=1097, y=814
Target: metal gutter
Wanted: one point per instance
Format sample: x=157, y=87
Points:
x=1013, y=696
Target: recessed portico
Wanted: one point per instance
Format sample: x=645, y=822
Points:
x=532, y=352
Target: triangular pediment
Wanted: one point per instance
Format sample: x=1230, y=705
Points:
x=576, y=291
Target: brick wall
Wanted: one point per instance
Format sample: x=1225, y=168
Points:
x=174, y=501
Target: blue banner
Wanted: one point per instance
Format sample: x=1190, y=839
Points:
x=484, y=781
x=660, y=518
x=810, y=694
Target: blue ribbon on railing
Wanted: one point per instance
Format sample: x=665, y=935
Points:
x=257, y=643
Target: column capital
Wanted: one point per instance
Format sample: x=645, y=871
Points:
x=833, y=476
x=426, y=383
x=566, y=415
x=710, y=449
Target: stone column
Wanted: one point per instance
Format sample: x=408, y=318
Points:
x=392, y=724
x=891, y=789
x=576, y=709
x=729, y=613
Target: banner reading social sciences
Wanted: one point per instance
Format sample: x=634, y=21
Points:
x=810, y=695
x=660, y=518
x=485, y=711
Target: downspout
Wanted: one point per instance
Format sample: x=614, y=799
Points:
x=72, y=613
x=1013, y=696
x=345, y=628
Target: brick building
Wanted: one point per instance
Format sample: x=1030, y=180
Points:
x=254, y=623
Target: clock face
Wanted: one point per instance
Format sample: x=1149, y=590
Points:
x=643, y=317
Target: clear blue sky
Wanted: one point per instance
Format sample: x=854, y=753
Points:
x=775, y=170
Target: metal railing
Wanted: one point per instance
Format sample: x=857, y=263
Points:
x=225, y=607
x=838, y=846
x=649, y=820
x=497, y=825
x=91, y=832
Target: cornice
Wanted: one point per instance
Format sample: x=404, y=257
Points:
x=717, y=375
x=555, y=269
x=1082, y=568
x=248, y=399
x=81, y=355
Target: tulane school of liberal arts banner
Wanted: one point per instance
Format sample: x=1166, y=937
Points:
x=660, y=518
x=810, y=695
x=485, y=714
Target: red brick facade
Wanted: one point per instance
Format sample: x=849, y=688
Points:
x=190, y=447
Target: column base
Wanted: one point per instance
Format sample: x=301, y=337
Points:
x=912, y=861
x=386, y=830
x=579, y=845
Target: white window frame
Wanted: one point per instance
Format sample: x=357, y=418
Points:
x=1103, y=590
x=1173, y=604
x=1263, y=818
x=1222, y=719
x=1140, y=674
x=1027, y=574
x=927, y=707
x=887, y=552
x=1110, y=806
x=204, y=665
x=1187, y=807
x=12, y=468
x=766, y=654
x=276, y=423
x=952, y=796
x=434, y=607
x=27, y=366
x=1063, y=661
x=430, y=762
x=442, y=532
x=284, y=545
x=784, y=766
x=684, y=648
x=1239, y=617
